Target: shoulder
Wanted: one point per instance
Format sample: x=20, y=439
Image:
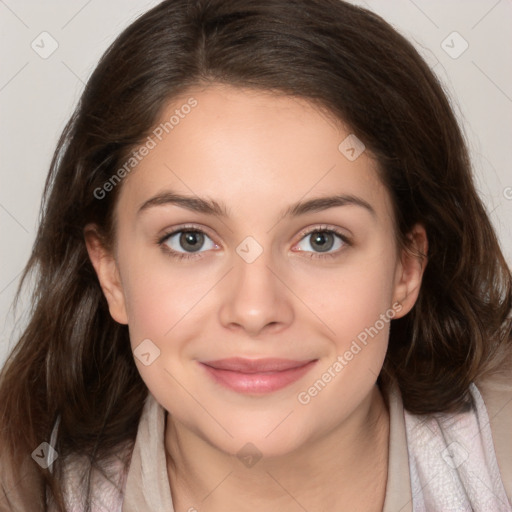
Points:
x=465, y=457
x=496, y=391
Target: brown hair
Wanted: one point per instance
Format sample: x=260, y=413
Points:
x=75, y=363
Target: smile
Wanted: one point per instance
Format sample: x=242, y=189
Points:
x=256, y=376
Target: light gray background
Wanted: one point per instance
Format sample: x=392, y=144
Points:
x=38, y=95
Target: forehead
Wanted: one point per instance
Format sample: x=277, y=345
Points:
x=250, y=148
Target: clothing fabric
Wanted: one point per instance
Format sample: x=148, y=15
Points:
x=439, y=463
x=443, y=464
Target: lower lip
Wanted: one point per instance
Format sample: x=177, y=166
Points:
x=258, y=383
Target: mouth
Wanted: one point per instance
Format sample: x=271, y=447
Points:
x=256, y=376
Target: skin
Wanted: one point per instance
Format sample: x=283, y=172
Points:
x=258, y=153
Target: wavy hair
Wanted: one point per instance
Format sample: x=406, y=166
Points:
x=74, y=363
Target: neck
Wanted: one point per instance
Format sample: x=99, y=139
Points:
x=345, y=469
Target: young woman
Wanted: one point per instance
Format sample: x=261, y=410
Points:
x=265, y=281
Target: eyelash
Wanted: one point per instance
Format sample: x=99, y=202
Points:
x=190, y=228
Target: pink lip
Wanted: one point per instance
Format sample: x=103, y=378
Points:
x=256, y=375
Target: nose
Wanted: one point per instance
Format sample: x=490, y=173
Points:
x=255, y=298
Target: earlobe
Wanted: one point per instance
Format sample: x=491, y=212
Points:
x=410, y=270
x=107, y=272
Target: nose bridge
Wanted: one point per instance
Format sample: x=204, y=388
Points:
x=256, y=297
x=255, y=284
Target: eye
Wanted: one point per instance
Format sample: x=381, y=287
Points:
x=322, y=241
x=187, y=242
x=183, y=243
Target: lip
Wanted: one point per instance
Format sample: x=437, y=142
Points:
x=256, y=376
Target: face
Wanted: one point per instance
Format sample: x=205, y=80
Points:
x=254, y=298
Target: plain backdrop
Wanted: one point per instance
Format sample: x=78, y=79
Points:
x=468, y=43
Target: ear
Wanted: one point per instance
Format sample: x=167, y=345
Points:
x=107, y=271
x=410, y=269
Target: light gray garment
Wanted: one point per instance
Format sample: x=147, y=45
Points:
x=447, y=463
x=443, y=463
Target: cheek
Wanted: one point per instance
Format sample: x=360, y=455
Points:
x=355, y=305
x=169, y=306
x=161, y=320
x=160, y=304
x=162, y=293
x=159, y=292
x=349, y=298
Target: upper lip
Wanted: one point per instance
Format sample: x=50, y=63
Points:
x=242, y=365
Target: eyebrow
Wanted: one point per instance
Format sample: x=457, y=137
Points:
x=212, y=207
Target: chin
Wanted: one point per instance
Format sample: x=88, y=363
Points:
x=255, y=441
